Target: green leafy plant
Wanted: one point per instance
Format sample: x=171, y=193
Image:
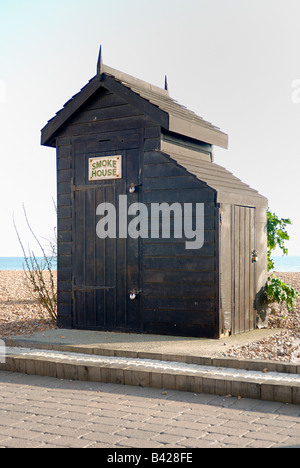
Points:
x=277, y=235
x=280, y=292
x=276, y=290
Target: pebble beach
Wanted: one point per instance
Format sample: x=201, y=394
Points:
x=22, y=314
x=284, y=346
x=20, y=310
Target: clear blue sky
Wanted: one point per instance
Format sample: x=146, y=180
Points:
x=233, y=62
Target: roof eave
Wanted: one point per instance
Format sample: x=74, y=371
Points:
x=249, y=199
x=72, y=106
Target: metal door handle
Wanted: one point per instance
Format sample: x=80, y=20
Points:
x=133, y=187
x=134, y=293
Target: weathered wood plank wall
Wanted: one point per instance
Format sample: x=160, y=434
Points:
x=187, y=300
x=180, y=285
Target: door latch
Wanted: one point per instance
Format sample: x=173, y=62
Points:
x=254, y=256
x=134, y=293
x=133, y=187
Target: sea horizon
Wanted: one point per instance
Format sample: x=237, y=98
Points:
x=18, y=263
x=282, y=263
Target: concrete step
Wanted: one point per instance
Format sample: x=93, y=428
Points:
x=175, y=356
x=280, y=384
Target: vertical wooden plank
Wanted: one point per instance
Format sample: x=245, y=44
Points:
x=226, y=262
x=216, y=291
x=109, y=308
x=247, y=269
x=90, y=232
x=99, y=243
x=252, y=270
x=133, y=319
x=79, y=169
x=79, y=238
x=79, y=318
x=100, y=308
x=232, y=218
x=109, y=244
x=110, y=267
x=121, y=256
x=121, y=284
x=242, y=270
x=90, y=311
x=236, y=268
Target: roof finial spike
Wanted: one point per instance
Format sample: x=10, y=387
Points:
x=166, y=83
x=100, y=62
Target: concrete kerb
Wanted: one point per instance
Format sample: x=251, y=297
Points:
x=144, y=377
x=233, y=363
x=140, y=376
x=154, y=376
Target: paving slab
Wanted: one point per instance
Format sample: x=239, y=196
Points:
x=81, y=417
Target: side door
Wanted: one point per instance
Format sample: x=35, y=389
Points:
x=243, y=284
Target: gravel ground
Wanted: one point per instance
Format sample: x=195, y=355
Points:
x=284, y=346
x=20, y=311
x=21, y=314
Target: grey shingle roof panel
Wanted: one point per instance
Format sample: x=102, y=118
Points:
x=227, y=186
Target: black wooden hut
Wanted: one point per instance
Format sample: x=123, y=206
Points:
x=152, y=283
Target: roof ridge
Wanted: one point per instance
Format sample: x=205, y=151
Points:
x=125, y=78
x=169, y=113
x=156, y=99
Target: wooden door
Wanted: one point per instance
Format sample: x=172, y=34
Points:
x=105, y=270
x=243, y=269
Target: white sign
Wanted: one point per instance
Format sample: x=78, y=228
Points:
x=105, y=168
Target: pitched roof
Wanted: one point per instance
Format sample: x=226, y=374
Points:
x=154, y=101
x=181, y=119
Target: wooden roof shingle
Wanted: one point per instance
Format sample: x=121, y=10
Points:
x=229, y=188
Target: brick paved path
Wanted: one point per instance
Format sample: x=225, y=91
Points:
x=45, y=412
